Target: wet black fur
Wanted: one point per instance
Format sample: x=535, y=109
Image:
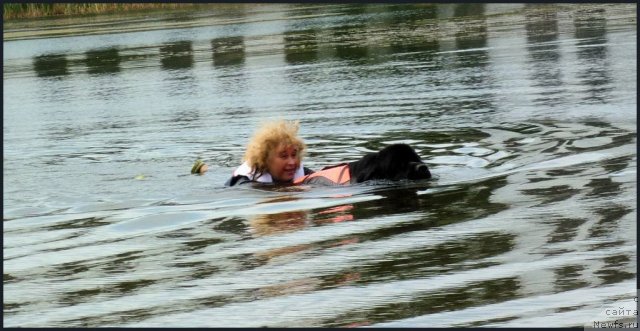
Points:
x=394, y=162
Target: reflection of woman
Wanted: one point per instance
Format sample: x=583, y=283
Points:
x=273, y=155
x=270, y=224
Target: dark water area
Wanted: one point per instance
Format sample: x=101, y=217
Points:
x=526, y=115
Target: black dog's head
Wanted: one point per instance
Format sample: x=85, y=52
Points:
x=394, y=162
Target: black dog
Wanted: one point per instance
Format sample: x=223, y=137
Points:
x=394, y=162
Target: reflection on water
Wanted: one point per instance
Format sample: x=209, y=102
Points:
x=349, y=43
x=103, y=61
x=544, y=54
x=177, y=55
x=592, y=51
x=301, y=46
x=228, y=51
x=50, y=65
x=525, y=114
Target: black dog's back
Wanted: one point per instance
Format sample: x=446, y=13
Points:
x=394, y=162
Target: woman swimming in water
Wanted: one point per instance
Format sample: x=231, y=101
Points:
x=274, y=155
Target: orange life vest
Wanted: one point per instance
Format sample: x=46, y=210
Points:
x=336, y=175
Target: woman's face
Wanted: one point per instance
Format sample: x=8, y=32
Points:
x=283, y=162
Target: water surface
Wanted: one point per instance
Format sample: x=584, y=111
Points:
x=526, y=115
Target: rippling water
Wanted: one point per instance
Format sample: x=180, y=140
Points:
x=526, y=115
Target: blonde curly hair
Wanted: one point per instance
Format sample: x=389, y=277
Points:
x=269, y=137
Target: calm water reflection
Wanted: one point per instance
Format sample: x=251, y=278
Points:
x=525, y=113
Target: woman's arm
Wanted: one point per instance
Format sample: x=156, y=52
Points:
x=237, y=180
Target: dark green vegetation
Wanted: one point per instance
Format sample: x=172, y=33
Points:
x=39, y=10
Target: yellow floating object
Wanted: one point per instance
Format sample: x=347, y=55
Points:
x=196, y=166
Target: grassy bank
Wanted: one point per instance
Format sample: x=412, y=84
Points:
x=38, y=10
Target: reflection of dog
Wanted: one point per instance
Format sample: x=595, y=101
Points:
x=394, y=162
